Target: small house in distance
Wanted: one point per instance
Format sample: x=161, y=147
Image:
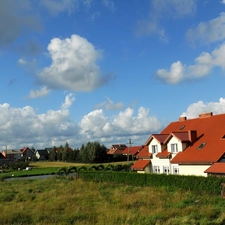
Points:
x=42, y=154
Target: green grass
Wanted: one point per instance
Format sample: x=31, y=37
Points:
x=41, y=168
x=63, y=200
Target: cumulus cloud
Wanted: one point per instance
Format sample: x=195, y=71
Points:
x=39, y=93
x=110, y=105
x=200, y=107
x=97, y=124
x=208, y=32
x=202, y=67
x=24, y=127
x=74, y=65
x=19, y=16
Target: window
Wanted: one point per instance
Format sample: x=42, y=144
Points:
x=154, y=148
x=182, y=127
x=201, y=145
x=156, y=169
x=175, y=170
x=166, y=169
x=174, y=148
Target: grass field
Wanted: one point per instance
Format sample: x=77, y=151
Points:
x=41, y=168
x=63, y=201
x=64, y=164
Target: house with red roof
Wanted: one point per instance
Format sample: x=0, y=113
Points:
x=117, y=149
x=143, y=163
x=187, y=147
x=132, y=151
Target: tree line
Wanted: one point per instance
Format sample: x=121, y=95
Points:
x=92, y=152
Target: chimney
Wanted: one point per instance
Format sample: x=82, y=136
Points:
x=192, y=136
x=205, y=115
x=182, y=118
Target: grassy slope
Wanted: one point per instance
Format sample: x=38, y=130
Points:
x=61, y=200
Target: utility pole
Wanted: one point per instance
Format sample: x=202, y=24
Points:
x=6, y=151
x=129, y=149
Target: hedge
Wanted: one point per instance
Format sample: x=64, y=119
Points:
x=208, y=185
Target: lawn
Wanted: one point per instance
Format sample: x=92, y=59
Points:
x=63, y=201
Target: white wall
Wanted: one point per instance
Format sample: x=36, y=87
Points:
x=197, y=170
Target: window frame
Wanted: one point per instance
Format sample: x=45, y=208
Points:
x=174, y=147
x=155, y=149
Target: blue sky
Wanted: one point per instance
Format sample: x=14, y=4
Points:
x=107, y=70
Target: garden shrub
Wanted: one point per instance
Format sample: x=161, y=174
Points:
x=208, y=185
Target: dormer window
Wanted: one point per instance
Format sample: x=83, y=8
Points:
x=201, y=145
x=174, y=148
x=154, y=148
x=223, y=137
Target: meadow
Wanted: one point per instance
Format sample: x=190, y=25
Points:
x=64, y=200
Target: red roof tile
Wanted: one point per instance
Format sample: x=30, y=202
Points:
x=144, y=153
x=132, y=150
x=164, y=154
x=159, y=137
x=114, y=151
x=216, y=168
x=182, y=136
x=140, y=164
x=210, y=130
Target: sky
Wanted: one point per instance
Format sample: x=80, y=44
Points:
x=107, y=70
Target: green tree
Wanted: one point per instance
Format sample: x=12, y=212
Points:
x=93, y=152
x=53, y=155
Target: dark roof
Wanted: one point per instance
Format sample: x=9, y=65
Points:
x=42, y=152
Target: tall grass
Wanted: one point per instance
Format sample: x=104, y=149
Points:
x=63, y=200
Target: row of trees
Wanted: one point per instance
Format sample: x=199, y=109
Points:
x=92, y=152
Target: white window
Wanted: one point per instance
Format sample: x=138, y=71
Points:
x=175, y=170
x=174, y=148
x=166, y=169
x=156, y=169
x=154, y=148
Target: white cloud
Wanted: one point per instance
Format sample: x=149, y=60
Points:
x=74, y=65
x=39, y=93
x=223, y=2
x=22, y=62
x=56, y=7
x=208, y=32
x=202, y=67
x=68, y=101
x=199, y=107
x=110, y=105
x=97, y=125
x=24, y=127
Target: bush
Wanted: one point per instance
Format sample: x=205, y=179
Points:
x=208, y=185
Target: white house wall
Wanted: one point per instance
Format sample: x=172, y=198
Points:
x=174, y=140
x=197, y=170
